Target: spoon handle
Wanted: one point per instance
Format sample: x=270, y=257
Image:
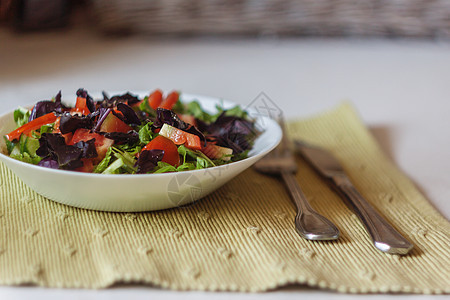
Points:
x=308, y=223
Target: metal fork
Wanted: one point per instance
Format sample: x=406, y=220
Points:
x=308, y=223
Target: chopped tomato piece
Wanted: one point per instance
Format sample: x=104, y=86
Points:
x=170, y=100
x=81, y=106
x=67, y=137
x=179, y=137
x=114, y=124
x=155, y=99
x=30, y=126
x=171, y=155
x=102, y=143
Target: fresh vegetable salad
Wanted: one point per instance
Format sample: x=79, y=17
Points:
x=125, y=134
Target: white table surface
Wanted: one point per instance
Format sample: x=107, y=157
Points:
x=400, y=88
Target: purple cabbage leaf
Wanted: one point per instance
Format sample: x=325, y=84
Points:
x=129, y=115
x=232, y=132
x=131, y=137
x=49, y=163
x=70, y=123
x=45, y=107
x=114, y=100
x=52, y=147
x=148, y=160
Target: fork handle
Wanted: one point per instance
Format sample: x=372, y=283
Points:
x=308, y=223
x=383, y=235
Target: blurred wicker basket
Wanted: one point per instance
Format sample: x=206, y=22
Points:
x=411, y=18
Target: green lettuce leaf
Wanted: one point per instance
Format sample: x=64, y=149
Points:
x=146, y=134
x=21, y=116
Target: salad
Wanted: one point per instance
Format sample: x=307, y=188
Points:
x=125, y=134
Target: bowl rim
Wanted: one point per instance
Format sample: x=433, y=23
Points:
x=99, y=175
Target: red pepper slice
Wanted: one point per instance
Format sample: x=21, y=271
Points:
x=30, y=126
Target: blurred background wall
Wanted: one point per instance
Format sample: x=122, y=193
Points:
x=385, y=18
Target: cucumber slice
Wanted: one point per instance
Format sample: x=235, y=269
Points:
x=28, y=144
x=15, y=151
x=31, y=146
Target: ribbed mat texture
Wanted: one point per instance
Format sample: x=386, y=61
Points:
x=240, y=238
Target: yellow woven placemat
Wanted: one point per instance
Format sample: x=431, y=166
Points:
x=241, y=238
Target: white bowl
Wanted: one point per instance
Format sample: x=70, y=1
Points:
x=140, y=192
